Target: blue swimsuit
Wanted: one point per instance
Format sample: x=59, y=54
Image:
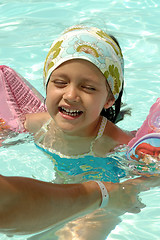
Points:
x=87, y=165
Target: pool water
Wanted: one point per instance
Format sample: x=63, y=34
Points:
x=27, y=29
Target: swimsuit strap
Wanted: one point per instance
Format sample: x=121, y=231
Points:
x=100, y=133
x=43, y=129
x=102, y=127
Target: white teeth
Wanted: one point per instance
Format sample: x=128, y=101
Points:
x=70, y=111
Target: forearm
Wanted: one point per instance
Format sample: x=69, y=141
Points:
x=28, y=205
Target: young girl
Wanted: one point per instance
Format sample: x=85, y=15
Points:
x=83, y=77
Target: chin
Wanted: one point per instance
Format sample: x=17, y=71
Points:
x=67, y=128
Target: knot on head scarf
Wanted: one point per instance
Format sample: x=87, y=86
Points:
x=92, y=44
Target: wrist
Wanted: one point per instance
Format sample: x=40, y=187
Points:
x=98, y=194
x=94, y=196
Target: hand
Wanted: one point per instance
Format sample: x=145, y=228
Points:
x=3, y=125
x=124, y=196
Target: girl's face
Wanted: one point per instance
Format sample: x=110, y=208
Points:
x=76, y=94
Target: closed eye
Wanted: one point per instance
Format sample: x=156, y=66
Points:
x=59, y=83
x=89, y=88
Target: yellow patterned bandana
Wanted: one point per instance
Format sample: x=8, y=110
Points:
x=91, y=44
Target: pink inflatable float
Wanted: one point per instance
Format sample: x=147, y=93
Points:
x=17, y=97
x=145, y=146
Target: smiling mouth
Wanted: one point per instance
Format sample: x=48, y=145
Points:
x=70, y=112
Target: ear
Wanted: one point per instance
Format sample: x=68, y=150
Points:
x=109, y=103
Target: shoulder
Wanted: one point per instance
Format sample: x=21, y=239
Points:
x=34, y=121
x=117, y=134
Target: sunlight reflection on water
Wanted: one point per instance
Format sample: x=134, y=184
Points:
x=27, y=29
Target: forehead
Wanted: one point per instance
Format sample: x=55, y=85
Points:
x=81, y=66
x=81, y=69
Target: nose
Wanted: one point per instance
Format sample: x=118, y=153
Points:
x=71, y=94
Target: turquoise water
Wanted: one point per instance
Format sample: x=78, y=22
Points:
x=27, y=29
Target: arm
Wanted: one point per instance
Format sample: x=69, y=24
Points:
x=28, y=205
x=34, y=121
x=117, y=134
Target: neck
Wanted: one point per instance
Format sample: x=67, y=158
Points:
x=88, y=132
x=76, y=143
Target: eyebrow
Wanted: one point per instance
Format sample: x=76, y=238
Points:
x=90, y=81
x=65, y=76
x=61, y=75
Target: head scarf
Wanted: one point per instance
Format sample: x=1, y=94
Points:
x=92, y=44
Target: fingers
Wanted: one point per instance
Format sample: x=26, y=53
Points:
x=140, y=184
x=149, y=182
x=132, y=202
x=137, y=206
x=135, y=210
x=125, y=197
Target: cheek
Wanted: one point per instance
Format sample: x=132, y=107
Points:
x=95, y=108
x=47, y=98
x=50, y=95
x=97, y=103
x=48, y=105
x=50, y=102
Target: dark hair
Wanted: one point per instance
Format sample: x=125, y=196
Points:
x=114, y=114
